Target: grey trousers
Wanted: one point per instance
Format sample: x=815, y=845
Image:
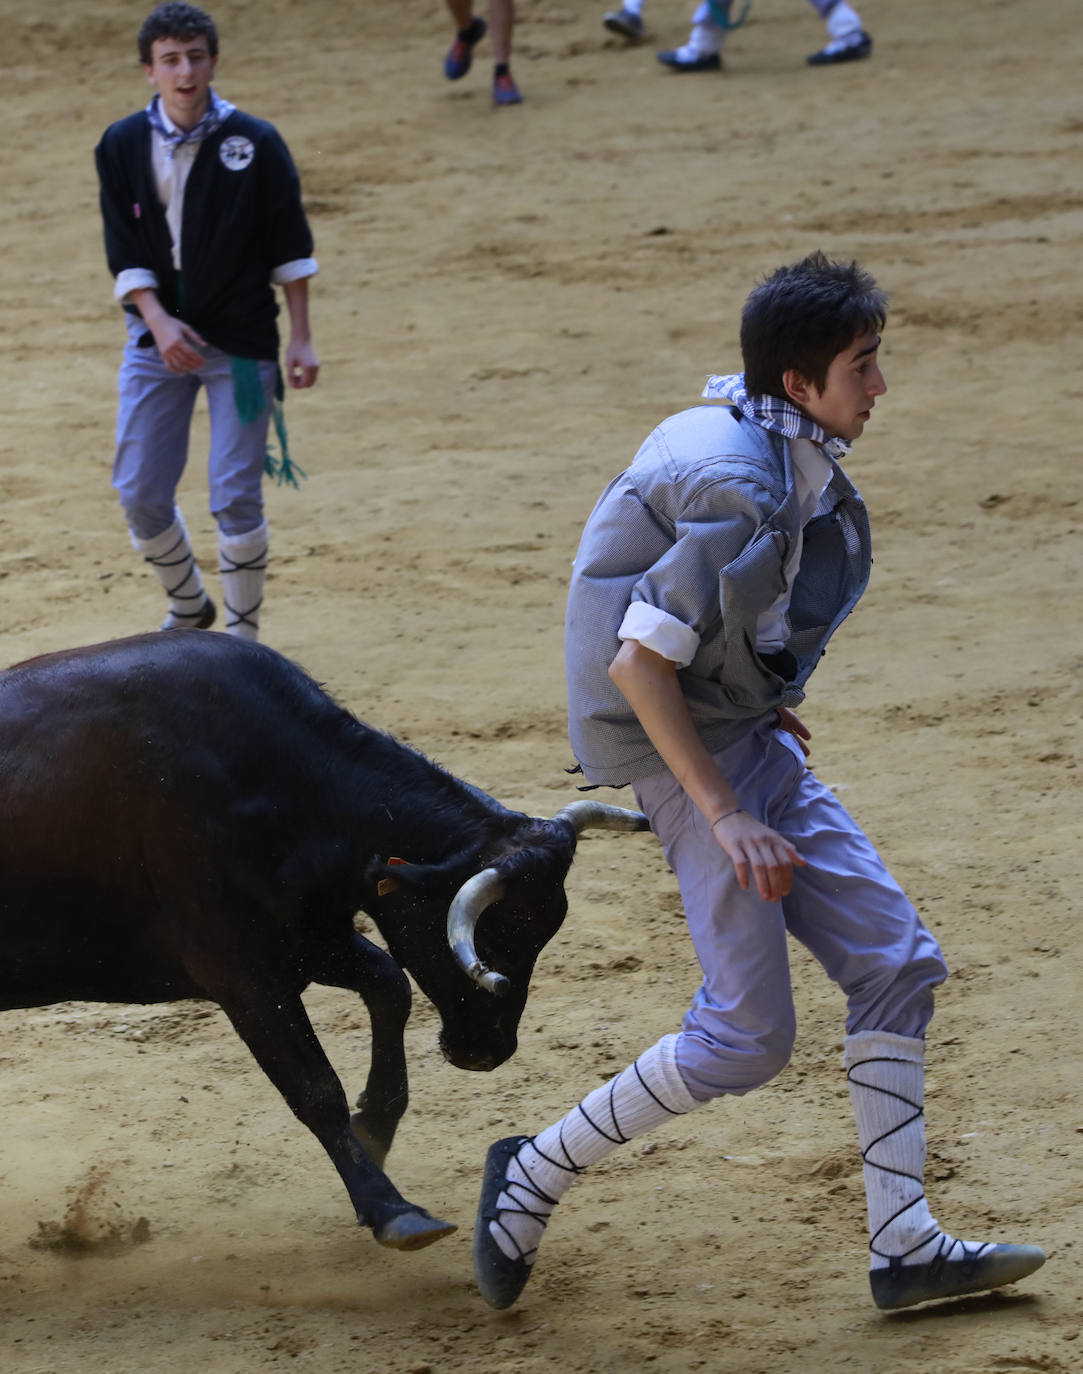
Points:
x=844, y=907
x=153, y=419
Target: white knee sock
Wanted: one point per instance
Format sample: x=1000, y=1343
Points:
x=843, y=22
x=706, y=37
x=886, y=1075
x=170, y=555
x=642, y=1096
x=242, y=563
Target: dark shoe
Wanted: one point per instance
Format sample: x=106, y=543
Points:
x=624, y=22
x=461, y=53
x=505, y=91
x=844, y=50
x=500, y=1279
x=986, y=1266
x=202, y=619
x=709, y=62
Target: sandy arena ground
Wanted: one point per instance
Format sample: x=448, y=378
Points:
x=508, y=302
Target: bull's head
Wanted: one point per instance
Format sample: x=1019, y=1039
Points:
x=497, y=924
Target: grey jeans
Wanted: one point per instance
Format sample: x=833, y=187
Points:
x=153, y=419
x=844, y=907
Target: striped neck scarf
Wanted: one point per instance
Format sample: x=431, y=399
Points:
x=218, y=111
x=770, y=412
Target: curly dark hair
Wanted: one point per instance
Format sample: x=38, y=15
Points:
x=804, y=315
x=176, y=20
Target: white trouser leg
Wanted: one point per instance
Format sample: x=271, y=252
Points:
x=170, y=555
x=242, y=563
x=639, y=1098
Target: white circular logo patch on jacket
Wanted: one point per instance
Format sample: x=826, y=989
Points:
x=236, y=153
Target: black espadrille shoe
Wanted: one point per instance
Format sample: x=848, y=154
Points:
x=983, y=1267
x=501, y=1279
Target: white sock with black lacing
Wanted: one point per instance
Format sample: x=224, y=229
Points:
x=843, y=24
x=886, y=1076
x=170, y=555
x=242, y=564
x=640, y=1097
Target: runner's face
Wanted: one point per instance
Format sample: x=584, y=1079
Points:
x=182, y=70
x=853, y=382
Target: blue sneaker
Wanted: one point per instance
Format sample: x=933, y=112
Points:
x=505, y=91
x=842, y=50
x=461, y=53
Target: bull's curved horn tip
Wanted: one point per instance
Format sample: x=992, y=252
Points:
x=586, y=815
x=495, y=983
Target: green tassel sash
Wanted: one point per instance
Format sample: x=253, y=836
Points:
x=721, y=16
x=249, y=400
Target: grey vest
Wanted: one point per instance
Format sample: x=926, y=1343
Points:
x=700, y=525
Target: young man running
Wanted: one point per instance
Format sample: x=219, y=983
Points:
x=709, y=578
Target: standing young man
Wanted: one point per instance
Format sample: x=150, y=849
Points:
x=709, y=578
x=201, y=206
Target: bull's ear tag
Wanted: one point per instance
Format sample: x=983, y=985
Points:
x=386, y=885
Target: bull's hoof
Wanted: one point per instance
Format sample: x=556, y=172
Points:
x=413, y=1230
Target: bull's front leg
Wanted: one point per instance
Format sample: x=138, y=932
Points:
x=271, y=1019
x=369, y=971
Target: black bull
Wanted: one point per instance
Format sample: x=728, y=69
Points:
x=189, y=815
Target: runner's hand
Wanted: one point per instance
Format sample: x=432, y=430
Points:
x=759, y=853
x=792, y=724
x=175, y=341
x=302, y=365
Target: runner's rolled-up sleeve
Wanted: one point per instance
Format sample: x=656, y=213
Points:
x=660, y=632
x=133, y=279
x=298, y=270
x=678, y=596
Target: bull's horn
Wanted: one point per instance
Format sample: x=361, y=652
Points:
x=477, y=893
x=586, y=814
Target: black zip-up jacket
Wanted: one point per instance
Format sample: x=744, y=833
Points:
x=241, y=220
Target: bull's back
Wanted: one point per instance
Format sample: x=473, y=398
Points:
x=138, y=779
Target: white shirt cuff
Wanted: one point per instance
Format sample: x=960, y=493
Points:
x=133, y=279
x=294, y=271
x=658, y=630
